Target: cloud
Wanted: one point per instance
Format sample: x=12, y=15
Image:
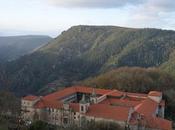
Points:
x=140, y=13
x=145, y=5
x=161, y=5
x=153, y=12
x=94, y=3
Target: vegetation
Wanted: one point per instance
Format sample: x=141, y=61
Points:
x=169, y=66
x=9, y=110
x=85, y=51
x=9, y=104
x=12, y=47
x=39, y=125
x=3, y=124
x=133, y=79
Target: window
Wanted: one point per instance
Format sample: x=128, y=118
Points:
x=65, y=120
x=82, y=108
x=49, y=110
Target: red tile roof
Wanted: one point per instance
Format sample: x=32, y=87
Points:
x=137, y=95
x=48, y=104
x=75, y=107
x=30, y=98
x=120, y=102
x=98, y=91
x=155, y=93
x=82, y=89
x=60, y=94
x=159, y=123
x=109, y=112
x=152, y=122
x=147, y=107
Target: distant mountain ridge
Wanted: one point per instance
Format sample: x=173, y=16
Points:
x=85, y=51
x=12, y=47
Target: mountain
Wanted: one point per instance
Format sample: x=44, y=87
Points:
x=12, y=47
x=86, y=51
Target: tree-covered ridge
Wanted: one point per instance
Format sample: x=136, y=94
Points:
x=84, y=51
x=133, y=79
x=12, y=47
x=169, y=66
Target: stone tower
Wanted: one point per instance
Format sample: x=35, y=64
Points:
x=83, y=105
x=93, y=97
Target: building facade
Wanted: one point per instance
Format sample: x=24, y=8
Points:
x=79, y=104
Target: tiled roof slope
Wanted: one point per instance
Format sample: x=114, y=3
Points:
x=159, y=123
x=48, y=104
x=120, y=102
x=30, y=98
x=109, y=112
x=155, y=93
x=82, y=89
x=147, y=107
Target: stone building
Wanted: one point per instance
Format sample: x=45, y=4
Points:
x=79, y=104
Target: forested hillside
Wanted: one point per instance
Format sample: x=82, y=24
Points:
x=169, y=66
x=133, y=79
x=12, y=47
x=84, y=51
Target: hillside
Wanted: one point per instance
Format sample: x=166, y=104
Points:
x=133, y=79
x=84, y=51
x=12, y=47
x=169, y=66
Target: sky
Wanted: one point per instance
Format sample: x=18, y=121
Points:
x=51, y=17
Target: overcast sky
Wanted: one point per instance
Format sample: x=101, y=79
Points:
x=50, y=17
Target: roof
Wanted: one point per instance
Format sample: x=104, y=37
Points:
x=137, y=95
x=75, y=107
x=75, y=89
x=48, y=104
x=83, y=89
x=60, y=94
x=155, y=93
x=120, y=102
x=30, y=98
x=147, y=107
x=109, y=112
x=159, y=123
x=152, y=122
